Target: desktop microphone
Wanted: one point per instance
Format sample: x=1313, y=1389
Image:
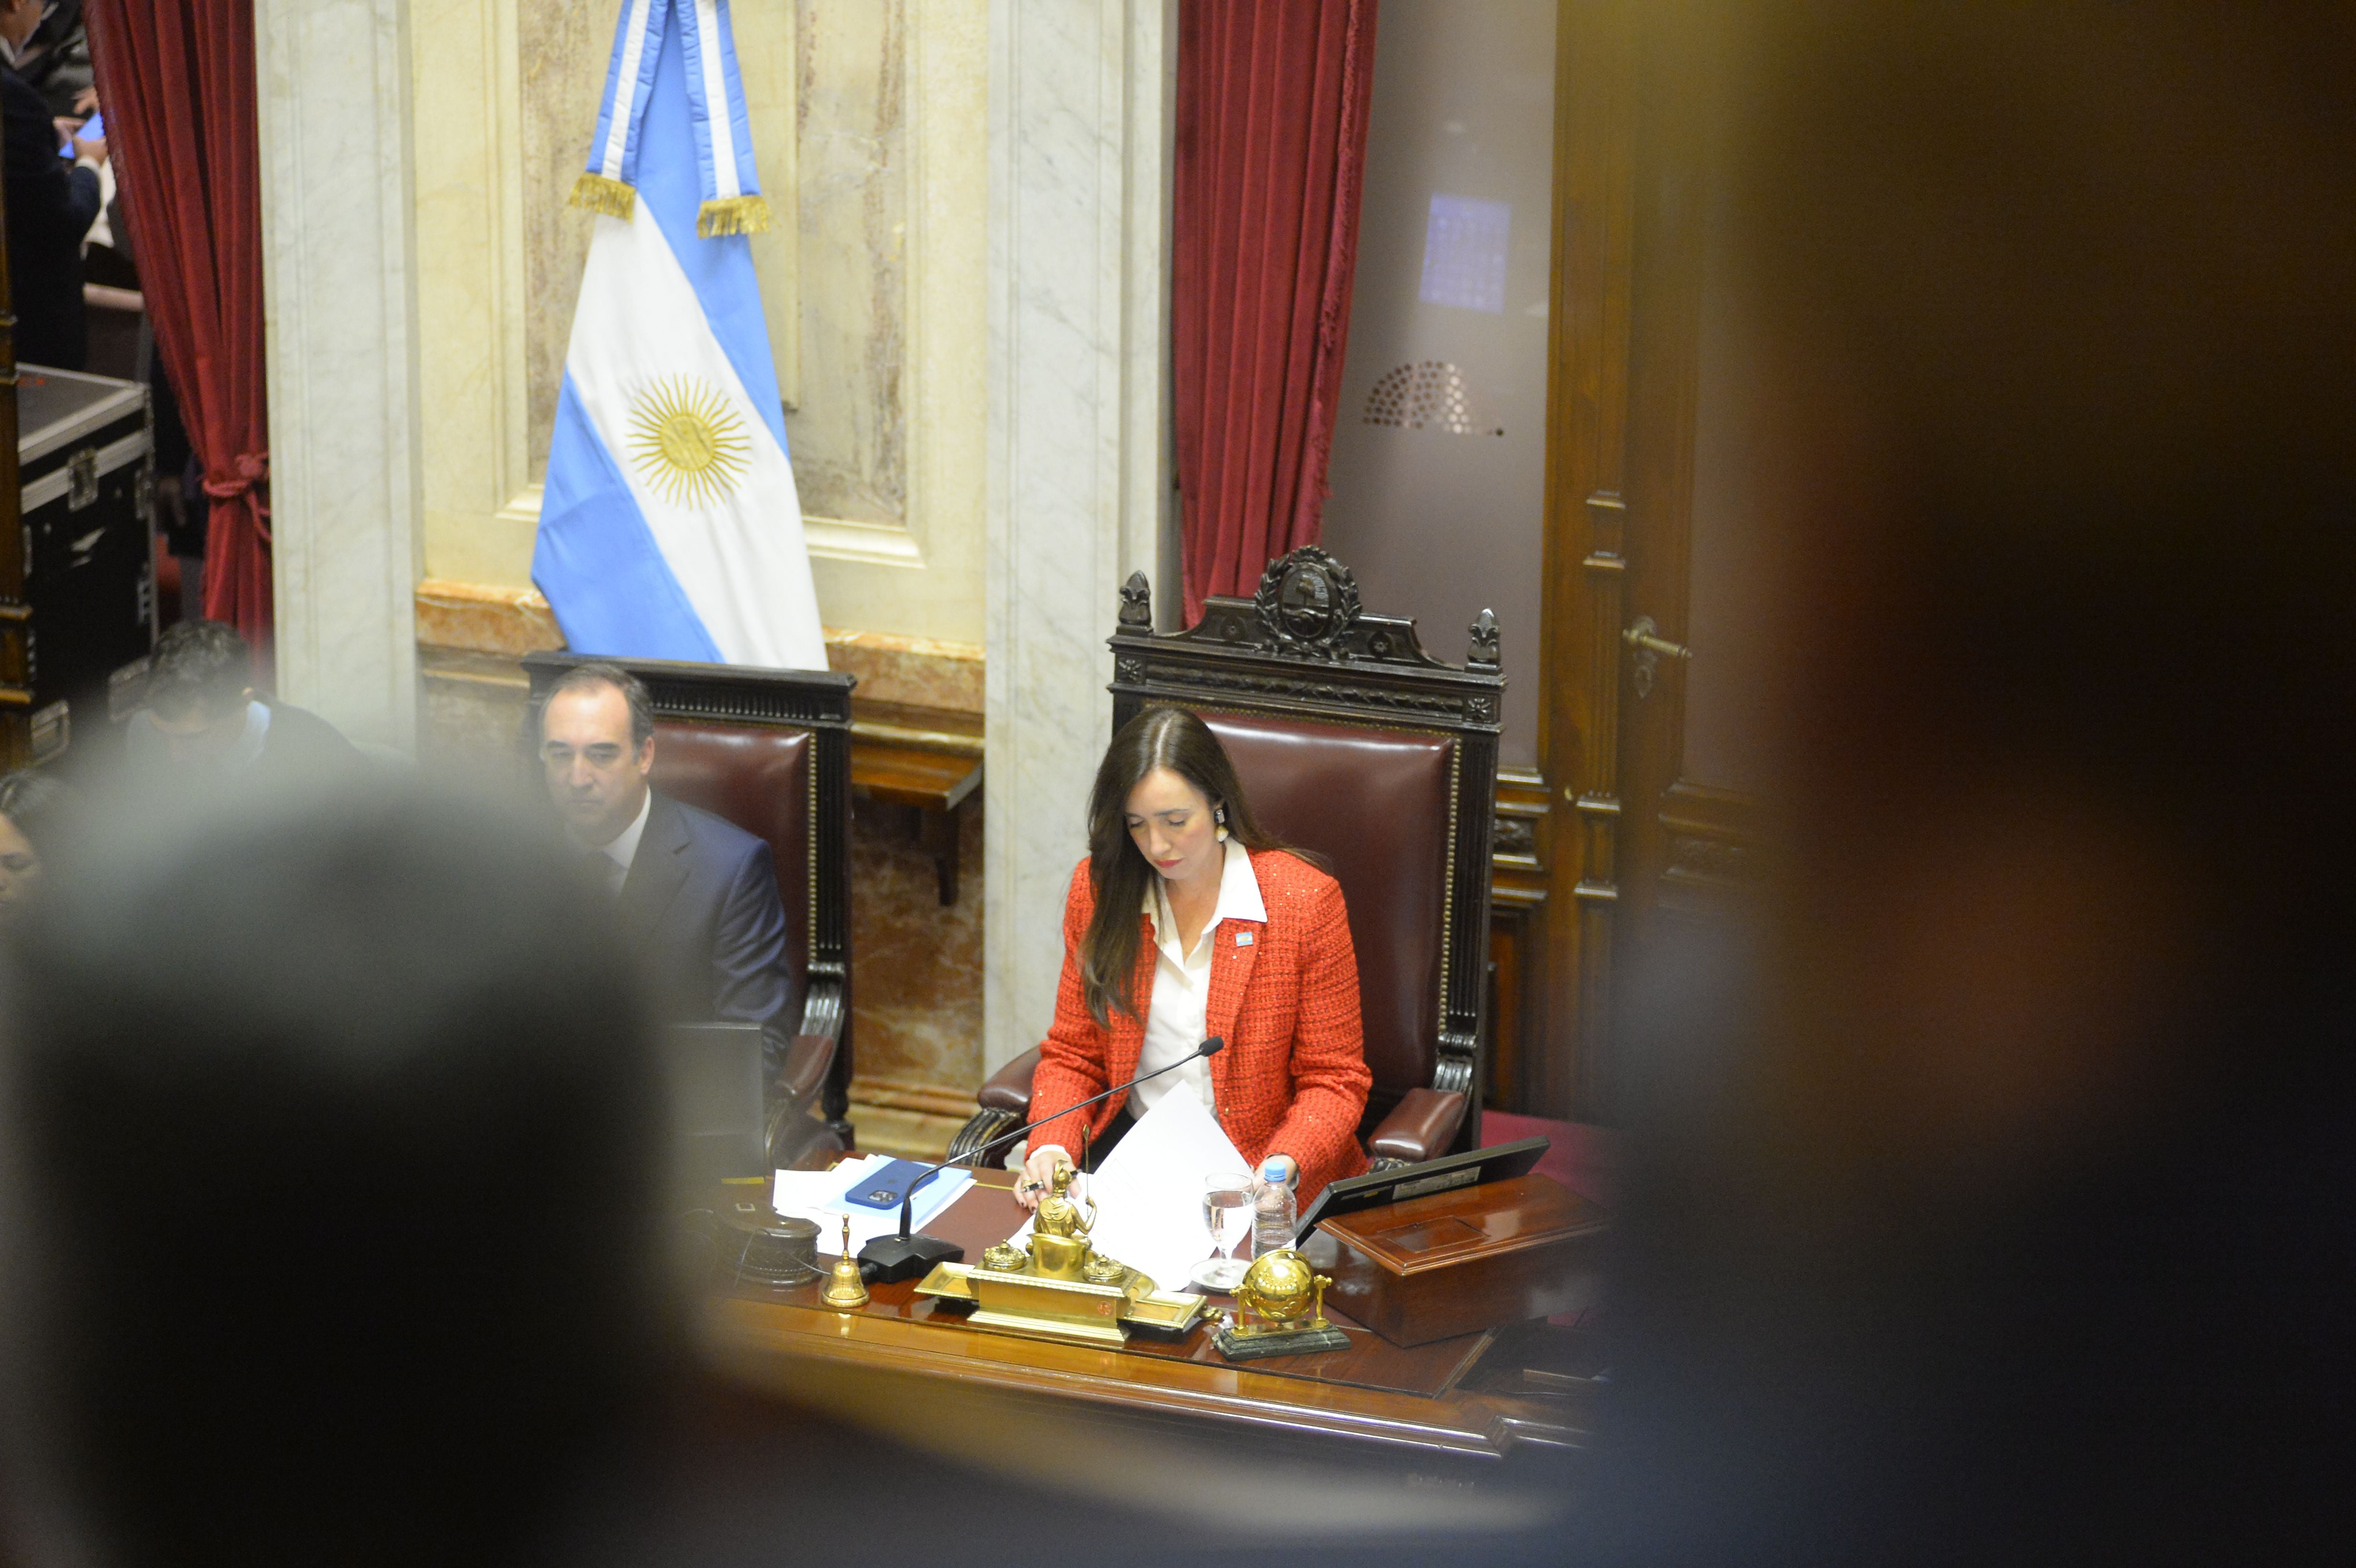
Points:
x=903, y=1256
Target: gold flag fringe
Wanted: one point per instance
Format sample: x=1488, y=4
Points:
x=733, y=215
x=599, y=194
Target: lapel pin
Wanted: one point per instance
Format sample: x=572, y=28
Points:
x=1243, y=939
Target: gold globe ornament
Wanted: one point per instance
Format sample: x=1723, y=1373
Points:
x=1280, y=1286
x=1283, y=1290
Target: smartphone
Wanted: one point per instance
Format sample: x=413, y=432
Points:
x=92, y=130
x=887, y=1187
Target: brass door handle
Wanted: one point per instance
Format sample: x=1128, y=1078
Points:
x=1644, y=635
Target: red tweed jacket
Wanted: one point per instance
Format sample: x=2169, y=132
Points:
x=1292, y=1078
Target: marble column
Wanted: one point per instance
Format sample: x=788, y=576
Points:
x=1079, y=121
x=339, y=284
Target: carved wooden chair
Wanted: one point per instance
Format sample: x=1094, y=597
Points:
x=769, y=750
x=1355, y=743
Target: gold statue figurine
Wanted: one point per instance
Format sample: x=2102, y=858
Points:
x=1059, y=1235
x=1058, y=1284
x=1058, y=1214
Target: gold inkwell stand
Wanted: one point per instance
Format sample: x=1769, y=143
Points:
x=1058, y=1284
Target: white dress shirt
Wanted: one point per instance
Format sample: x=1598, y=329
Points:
x=622, y=849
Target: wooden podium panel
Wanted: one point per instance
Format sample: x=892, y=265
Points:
x=903, y=1353
x=1455, y=1262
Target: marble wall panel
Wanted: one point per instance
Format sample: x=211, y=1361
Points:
x=1078, y=489
x=912, y=672
x=513, y=621
x=338, y=261
x=563, y=48
x=471, y=711
x=915, y=966
x=850, y=439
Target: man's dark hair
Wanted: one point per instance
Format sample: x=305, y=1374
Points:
x=634, y=692
x=199, y=664
x=329, y=1188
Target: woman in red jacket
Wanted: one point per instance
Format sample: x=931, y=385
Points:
x=1186, y=921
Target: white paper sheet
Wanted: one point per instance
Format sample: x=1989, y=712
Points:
x=816, y=1196
x=1148, y=1193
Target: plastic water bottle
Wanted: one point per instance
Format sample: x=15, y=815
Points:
x=1274, y=1214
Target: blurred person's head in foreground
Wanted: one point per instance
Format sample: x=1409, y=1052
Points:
x=1995, y=1204
x=328, y=1142
x=32, y=817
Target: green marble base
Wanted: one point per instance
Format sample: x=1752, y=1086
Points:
x=1237, y=1347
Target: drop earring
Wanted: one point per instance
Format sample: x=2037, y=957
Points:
x=1220, y=817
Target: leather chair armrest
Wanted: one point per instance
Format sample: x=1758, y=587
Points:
x=1008, y=1088
x=1420, y=1127
x=807, y=1060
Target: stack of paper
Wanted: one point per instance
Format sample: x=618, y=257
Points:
x=1148, y=1191
x=817, y=1196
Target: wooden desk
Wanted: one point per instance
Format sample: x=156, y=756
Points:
x=1495, y=1402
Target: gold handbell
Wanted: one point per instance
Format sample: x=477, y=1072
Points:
x=846, y=1292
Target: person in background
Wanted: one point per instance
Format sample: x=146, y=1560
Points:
x=56, y=59
x=696, y=894
x=1181, y=902
x=203, y=723
x=30, y=807
x=52, y=201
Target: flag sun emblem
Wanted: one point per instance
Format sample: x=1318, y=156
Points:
x=687, y=441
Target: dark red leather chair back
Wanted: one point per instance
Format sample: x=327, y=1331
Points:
x=758, y=778
x=1373, y=805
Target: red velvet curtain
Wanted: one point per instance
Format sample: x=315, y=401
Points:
x=1270, y=152
x=177, y=84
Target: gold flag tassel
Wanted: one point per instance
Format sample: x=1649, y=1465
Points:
x=598, y=194
x=733, y=215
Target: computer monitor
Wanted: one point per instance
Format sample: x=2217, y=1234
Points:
x=719, y=1126
x=1499, y=1162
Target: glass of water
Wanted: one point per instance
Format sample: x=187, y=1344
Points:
x=1227, y=1215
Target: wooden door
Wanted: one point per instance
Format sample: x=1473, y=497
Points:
x=1646, y=808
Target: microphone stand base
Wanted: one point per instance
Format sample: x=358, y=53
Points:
x=888, y=1258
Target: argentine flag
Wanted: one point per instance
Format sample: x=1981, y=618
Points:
x=669, y=527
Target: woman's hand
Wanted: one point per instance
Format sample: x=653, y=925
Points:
x=1038, y=1175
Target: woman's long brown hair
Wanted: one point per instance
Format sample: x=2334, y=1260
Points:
x=1158, y=738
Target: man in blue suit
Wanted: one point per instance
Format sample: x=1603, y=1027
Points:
x=696, y=895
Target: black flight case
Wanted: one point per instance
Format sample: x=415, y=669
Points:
x=86, y=462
